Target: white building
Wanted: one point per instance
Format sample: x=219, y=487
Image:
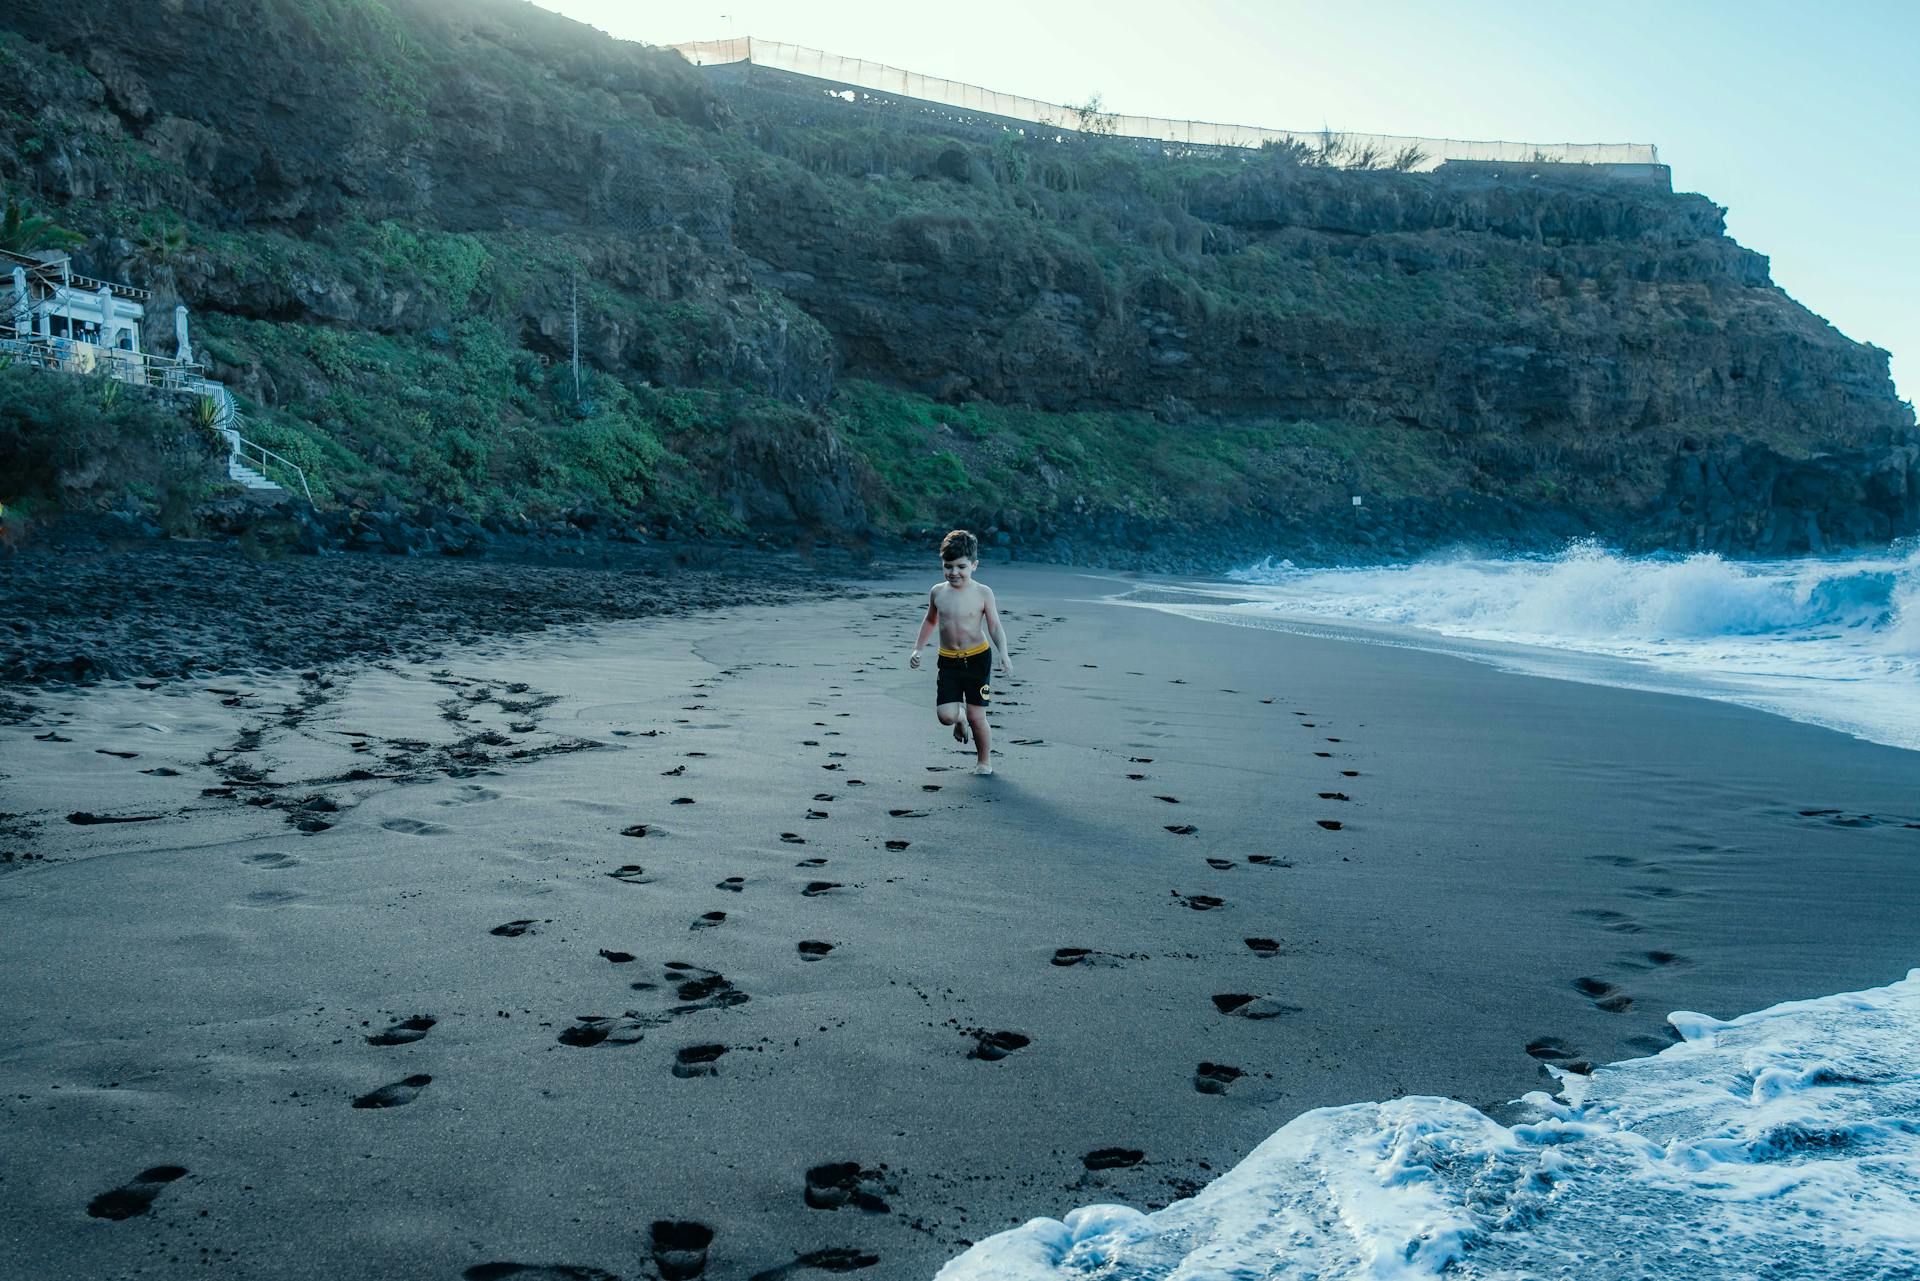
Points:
x=81, y=325
x=54, y=318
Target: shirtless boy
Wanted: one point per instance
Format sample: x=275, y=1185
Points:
x=969, y=623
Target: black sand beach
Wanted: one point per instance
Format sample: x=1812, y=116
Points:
x=686, y=946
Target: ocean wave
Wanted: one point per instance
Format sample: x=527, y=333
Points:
x=1833, y=641
x=1588, y=591
x=1781, y=1143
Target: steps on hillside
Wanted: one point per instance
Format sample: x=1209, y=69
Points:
x=247, y=476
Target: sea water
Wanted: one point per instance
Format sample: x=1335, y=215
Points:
x=1833, y=641
x=1784, y=1143
x=1781, y=1144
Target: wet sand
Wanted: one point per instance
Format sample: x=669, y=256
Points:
x=688, y=947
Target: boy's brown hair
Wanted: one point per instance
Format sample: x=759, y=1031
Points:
x=960, y=545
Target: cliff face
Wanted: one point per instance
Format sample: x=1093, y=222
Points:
x=377, y=193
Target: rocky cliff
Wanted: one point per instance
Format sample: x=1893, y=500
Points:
x=798, y=312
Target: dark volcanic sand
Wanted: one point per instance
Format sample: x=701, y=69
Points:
x=686, y=947
x=84, y=608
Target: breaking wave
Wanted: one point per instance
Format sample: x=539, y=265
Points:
x=1834, y=641
x=1784, y=1143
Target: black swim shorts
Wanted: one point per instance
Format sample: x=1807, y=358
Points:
x=966, y=677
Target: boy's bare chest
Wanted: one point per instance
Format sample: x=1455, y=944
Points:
x=960, y=608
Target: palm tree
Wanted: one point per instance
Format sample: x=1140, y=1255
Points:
x=22, y=230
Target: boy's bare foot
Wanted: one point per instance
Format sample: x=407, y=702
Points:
x=959, y=731
x=983, y=768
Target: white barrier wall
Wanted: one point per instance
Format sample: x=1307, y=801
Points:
x=879, y=78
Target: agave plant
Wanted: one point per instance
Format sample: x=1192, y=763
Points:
x=22, y=230
x=206, y=412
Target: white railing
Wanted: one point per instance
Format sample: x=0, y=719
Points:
x=228, y=420
x=157, y=373
x=879, y=79
x=70, y=356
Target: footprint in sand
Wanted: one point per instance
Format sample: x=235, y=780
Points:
x=270, y=862
x=733, y=884
x=589, y=1030
x=1219, y=864
x=1323, y=753
x=698, y=1060
x=811, y=862
x=700, y=989
x=707, y=920
x=1182, y=829
x=1171, y=800
x=1136, y=777
x=843, y=1183
x=793, y=838
x=823, y=796
x=136, y=1196
x=1603, y=994
x=271, y=898
x=617, y=958
x=1334, y=796
x=813, y=949
x=907, y=813
x=681, y=800
x=1331, y=824
x=1085, y=957
x=413, y=827
x=1113, y=1159
x=897, y=846
x=405, y=1032
x=818, y=814
x=161, y=771
x=514, y=929
x=675, y=772
x=1551, y=1050
x=1214, y=1078
x=1242, y=1005
x=991, y=1047
x=1268, y=860
x=631, y=874
x=816, y=888
x=1199, y=902
x=1263, y=947
x=397, y=1095
x=680, y=1249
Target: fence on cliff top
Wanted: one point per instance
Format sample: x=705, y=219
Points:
x=878, y=79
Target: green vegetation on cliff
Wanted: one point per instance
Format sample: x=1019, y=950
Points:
x=795, y=311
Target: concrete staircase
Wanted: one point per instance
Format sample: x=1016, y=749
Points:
x=247, y=476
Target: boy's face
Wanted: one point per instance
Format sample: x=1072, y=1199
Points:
x=959, y=572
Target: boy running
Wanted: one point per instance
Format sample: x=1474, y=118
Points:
x=969, y=624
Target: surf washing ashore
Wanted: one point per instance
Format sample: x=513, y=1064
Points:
x=1831, y=641
x=674, y=947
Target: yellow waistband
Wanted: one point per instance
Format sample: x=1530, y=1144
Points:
x=981, y=648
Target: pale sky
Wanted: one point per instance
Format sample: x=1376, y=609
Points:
x=1802, y=119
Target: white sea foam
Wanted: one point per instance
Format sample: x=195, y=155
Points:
x=1831, y=641
x=1782, y=1144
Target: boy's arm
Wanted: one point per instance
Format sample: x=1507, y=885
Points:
x=996, y=635
x=927, y=625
